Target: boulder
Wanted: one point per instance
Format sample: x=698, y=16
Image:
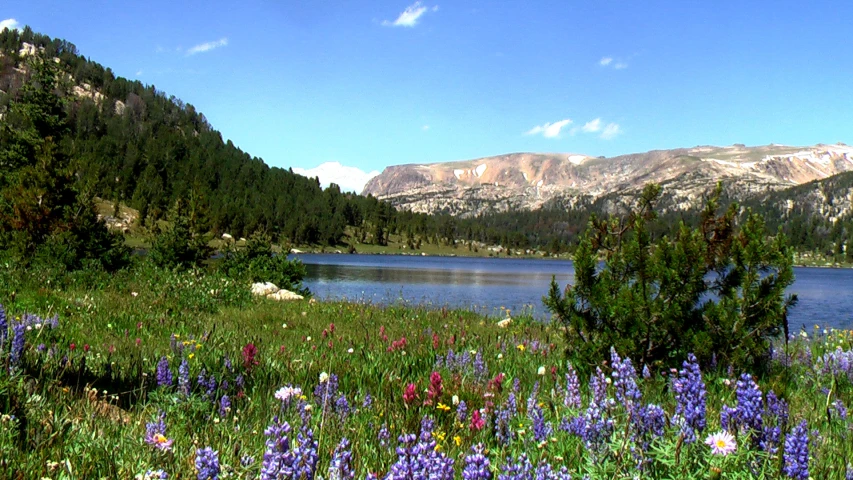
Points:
x=285, y=295
x=264, y=288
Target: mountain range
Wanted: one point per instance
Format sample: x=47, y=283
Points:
x=527, y=181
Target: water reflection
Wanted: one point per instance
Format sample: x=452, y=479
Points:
x=487, y=284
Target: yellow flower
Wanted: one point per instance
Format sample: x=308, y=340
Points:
x=458, y=440
x=442, y=407
x=520, y=347
x=190, y=356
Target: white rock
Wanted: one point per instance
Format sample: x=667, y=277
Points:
x=226, y=236
x=285, y=295
x=264, y=288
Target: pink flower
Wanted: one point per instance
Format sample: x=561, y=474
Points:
x=722, y=443
x=410, y=393
x=477, y=421
x=435, y=388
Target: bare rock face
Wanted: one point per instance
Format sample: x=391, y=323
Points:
x=525, y=181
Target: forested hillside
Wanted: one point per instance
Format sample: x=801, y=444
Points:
x=133, y=144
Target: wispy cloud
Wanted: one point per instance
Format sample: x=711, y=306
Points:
x=425, y=128
x=350, y=179
x=206, y=47
x=611, y=131
x=9, y=23
x=549, y=130
x=139, y=73
x=610, y=62
x=592, y=126
x=410, y=16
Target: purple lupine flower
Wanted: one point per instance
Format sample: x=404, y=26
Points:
x=408, y=464
x=516, y=385
x=598, y=387
x=650, y=423
x=383, y=436
x=690, y=408
x=572, y=398
x=840, y=409
x=184, y=378
x=224, y=405
x=462, y=411
x=164, y=375
x=748, y=415
x=278, y=457
x=340, y=468
x=368, y=402
x=849, y=475
x=17, y=351
x=625, y=381
x=207, y=464
x=342, y=407
x=477, y=466
x=247, y=461
x=240, y=381
x=155, y=433
x=531, y=400
x=517, y=470
x=305, y=456
x=775, y=421
x=796, y=455
x=4, y=327
x=541, y=429
x=325, y=391
x=155, y=475
x=450, y=360
x=647, y=374
x=41, y=347
x=480, y=370
x=512, y=403
x=502, y=424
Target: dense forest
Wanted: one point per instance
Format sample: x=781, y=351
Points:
x=132, y=144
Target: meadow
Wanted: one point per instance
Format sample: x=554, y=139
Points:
x=151, y=373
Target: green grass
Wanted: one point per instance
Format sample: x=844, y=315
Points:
x=81, y=412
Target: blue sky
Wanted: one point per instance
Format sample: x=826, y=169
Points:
x=371, y=84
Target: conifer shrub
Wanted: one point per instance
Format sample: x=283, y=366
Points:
x=716, y=290
x=257, y=262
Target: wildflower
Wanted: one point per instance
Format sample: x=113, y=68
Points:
x=477, y=466
x=477, y=421
x=4, y=326
x=796, y=454
x=184, y=378
x=454, y=400
x=410, y=393
x=435, y=388
x=277, y=456
x=722, y=443
x=341, y=465
x=207, y=464
x=153, y=475
x=17, y=351
x=287, y=393
x=443, y=407
x=541, y=371
x=164, y=375
x=383, y=436
x=690, y=399
x=572, y=397
x=250, y=352
x=324, y=377
x=155, y=434
x=520, y=347
x=224, y=406
x=461, y=411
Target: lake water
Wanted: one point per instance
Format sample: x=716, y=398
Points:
x=488, y=285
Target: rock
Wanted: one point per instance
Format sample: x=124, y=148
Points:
x=264, y=288
x=505, y=322
x=285, y=295
x=295, y=250
x=226, y=236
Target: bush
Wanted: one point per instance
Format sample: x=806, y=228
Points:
x=714, y=290
x=257, y=262
x=177, y=247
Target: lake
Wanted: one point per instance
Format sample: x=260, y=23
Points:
x=490, y=285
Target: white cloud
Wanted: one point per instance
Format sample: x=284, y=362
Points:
x=425, y=128
x=350, y=179
x=410, y=16
x=139, y=73
x=592, y=126
x=206, y=47
x=610, y=62
x=611, y=131
x=549, y=130
x=9, y=23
